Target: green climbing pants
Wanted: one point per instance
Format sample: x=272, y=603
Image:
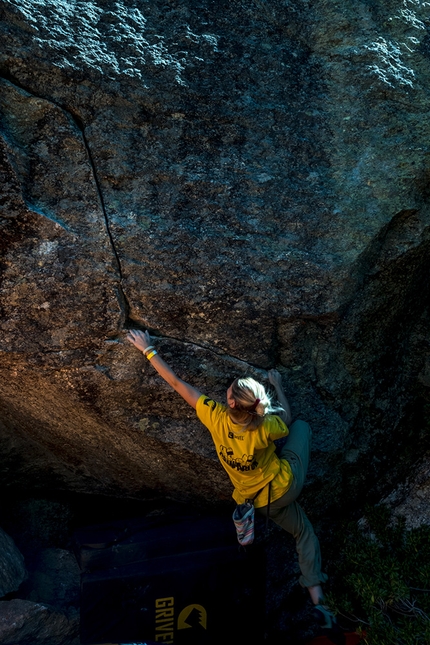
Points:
x=289, y=515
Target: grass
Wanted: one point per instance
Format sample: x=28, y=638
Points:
x=381, y=582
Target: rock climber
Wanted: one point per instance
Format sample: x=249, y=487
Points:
x=244, y=432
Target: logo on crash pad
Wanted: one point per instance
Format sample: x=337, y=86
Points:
x=191, y=616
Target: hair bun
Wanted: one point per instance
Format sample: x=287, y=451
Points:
x=261, y=409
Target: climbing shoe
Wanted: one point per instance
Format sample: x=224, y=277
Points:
x=328, y=624
x=324, y=617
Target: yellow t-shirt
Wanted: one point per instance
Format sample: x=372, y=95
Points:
x=248, y=456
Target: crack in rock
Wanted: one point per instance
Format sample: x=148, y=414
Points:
x=123, y=302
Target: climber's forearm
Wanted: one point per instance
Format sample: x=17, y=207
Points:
x=187, y=391
x=284, y=402
x=142, y=341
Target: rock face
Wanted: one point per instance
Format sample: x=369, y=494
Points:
x=55, y=579
x=411, y=498
x=12, y=567
x=249, y=181
x=25, y=622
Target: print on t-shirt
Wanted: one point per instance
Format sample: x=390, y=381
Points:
x=210, y=403
x=239, y=437
x=244, y=463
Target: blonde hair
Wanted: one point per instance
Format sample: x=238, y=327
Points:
x=252, y=403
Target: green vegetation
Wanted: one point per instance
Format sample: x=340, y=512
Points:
x=382, y=580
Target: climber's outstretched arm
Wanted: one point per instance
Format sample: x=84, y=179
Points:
x=142, y=341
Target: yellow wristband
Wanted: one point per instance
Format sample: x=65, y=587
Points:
x=149, y=356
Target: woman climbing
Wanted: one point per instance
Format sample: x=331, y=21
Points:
x=243, y=432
